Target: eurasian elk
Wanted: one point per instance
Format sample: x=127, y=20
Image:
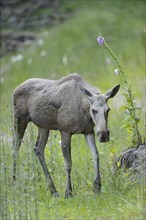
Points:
x=69, y=105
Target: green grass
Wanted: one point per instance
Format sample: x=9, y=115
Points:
x=122, y=24
x=28, y=199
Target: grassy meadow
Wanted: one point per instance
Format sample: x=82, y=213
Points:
x=66, y=48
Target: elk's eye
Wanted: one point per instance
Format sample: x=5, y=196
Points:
x=94, y=111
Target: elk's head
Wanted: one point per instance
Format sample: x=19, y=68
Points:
x=99, y=111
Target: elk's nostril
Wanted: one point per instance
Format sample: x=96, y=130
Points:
x=98, y=133
x=103, y=135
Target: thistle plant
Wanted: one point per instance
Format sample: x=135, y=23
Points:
x=132, y=111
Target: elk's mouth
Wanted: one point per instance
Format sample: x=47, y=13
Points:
x=103, y=136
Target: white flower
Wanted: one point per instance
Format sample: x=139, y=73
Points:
x=139, y=107
x=17, y=58
x=64, y=59
x=60, y=143
x=43, y=53
x=116, y=71
x=1, y=80
x=108, y=60
x=40, y=42
x=29, y=61
x=45, y=33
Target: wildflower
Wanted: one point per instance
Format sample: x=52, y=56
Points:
x=108, y=60
x=43, y=53
x=40, y=42
x=60, y=143
x=1, y=80
x=64, y=59
x=29, y=61
x=17, y=58
x=45, y=33
x=118, y=164
x=117, y=71
x=112, y=151
x=139, y=107
x=100, y=40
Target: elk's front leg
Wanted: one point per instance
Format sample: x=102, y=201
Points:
x=66, y=150
x=90, y=139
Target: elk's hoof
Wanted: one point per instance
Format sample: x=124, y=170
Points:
x=14, y=177
x=96, y=187
x=68, y=194
x=56, y=194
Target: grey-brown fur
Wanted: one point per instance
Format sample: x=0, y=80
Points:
x=69, y=105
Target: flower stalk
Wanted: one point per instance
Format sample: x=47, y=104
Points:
x=131, y=116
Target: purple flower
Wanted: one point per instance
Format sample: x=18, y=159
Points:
x=100, y=40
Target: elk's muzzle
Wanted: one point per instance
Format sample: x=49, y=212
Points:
x=103, y=136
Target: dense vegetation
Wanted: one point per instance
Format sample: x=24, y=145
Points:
x=58, y=51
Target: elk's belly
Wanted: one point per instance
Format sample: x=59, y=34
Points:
x=71, y=122
x=45, y=118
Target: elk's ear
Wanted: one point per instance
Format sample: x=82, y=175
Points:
x=112, y=92
x=86, y=92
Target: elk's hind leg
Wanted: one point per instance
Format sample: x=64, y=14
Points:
x=39, y=150
x=66, y=149
x=19, y=129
